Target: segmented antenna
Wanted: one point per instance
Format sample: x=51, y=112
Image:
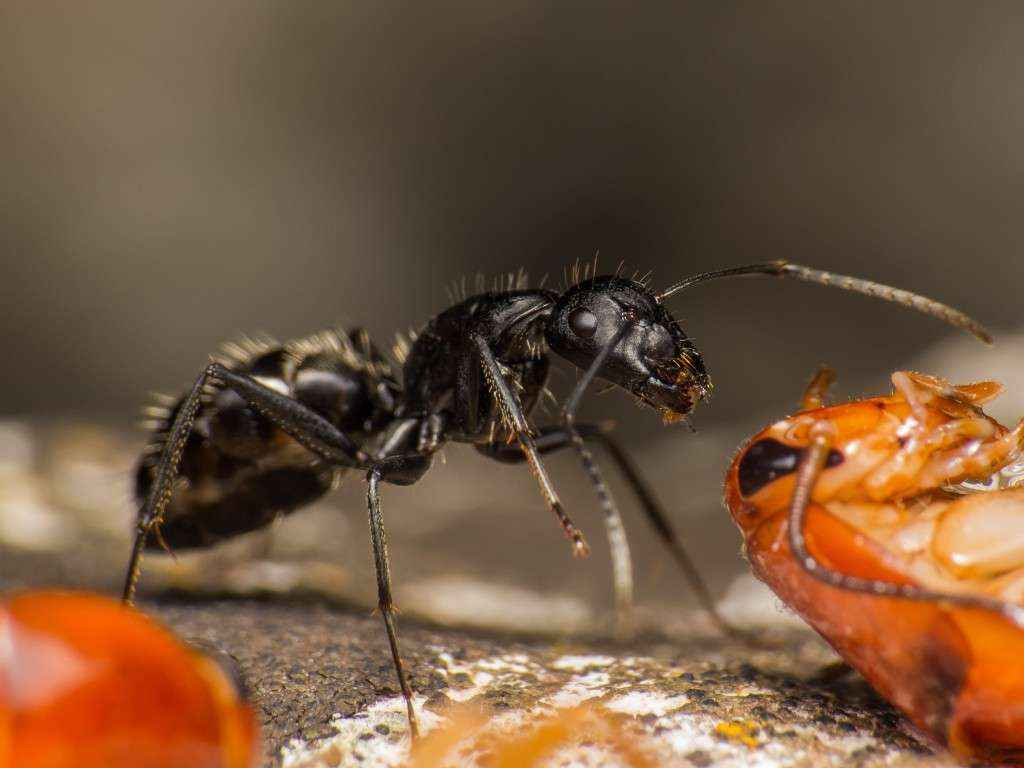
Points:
x=799, y=272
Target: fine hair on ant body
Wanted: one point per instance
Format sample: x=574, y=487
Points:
x=267, y=428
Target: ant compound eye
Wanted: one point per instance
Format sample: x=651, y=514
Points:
x=583, y=322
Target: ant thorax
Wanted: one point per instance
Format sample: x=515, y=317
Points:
x=441, y=370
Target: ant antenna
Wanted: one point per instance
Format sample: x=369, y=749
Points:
x=867, y=287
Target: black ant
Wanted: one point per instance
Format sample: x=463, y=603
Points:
x=267, y=428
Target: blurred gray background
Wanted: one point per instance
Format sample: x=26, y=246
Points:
x=174, y=174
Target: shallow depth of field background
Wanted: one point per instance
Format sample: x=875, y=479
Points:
x=175, y=174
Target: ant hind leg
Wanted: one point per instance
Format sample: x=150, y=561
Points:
x=306, y=426
x=315, y=434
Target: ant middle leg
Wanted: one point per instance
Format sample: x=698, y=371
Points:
x=384, y=599
x=515, y=421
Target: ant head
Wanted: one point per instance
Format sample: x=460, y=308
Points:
x=643, y=350
x=651, y=358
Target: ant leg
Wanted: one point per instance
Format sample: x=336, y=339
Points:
x=618, y=544
x=515, y=420
x=651, y=507
x=307, y=427
x=658, y=518
x=810, y=467
x=817, y=388
x=317, y=435
x=152, y=511
x=384, y=599
x=553, y=438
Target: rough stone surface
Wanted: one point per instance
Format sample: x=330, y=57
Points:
x=497, y=619
x=323, y=682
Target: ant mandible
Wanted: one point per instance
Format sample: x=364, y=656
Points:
x=472, y=375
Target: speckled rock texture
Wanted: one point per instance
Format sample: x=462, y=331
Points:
x=500, y=627
x=323, y=682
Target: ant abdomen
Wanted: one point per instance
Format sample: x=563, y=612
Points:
x=239, y=471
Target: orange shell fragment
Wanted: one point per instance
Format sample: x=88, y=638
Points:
x=86, y=682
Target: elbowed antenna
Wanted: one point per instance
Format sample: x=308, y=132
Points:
x=867, y=287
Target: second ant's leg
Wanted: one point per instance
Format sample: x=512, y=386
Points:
x=810, y=467
x=384, y=599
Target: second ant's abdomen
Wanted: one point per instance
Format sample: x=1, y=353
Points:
x=239, y=471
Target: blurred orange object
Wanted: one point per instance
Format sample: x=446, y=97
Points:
x=530, y=744
x=86, y=682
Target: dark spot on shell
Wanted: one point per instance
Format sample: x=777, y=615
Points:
x=768, y=459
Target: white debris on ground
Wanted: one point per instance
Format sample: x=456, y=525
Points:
x=636, y=700
x=376, y=737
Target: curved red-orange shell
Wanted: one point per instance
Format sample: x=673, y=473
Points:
x=86, y=682
x=955, y=672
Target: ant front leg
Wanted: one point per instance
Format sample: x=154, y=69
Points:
x=618, y=544
x=307, y=427
x=515, y=420
x=652, y=509
x=553, y=439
